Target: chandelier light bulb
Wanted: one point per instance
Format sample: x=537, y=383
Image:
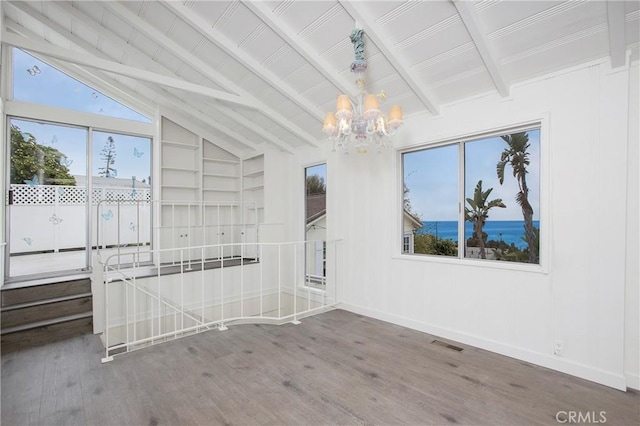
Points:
x=395, y=116
x=359, y=122
x=329, y=126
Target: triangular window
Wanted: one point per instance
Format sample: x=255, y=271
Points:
x=37, y=82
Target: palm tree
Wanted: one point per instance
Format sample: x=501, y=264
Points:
x=516, y=154
x=479, y=212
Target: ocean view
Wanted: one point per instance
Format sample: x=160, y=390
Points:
x=509, y=231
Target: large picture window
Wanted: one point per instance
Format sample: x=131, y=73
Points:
x=494, y=215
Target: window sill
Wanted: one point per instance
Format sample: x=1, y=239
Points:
x=494, y=264
x=315, y=290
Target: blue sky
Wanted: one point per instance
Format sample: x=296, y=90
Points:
x=320, y=170
x=49, y=86
x=432, y=178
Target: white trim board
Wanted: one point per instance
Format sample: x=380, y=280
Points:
x=633, y=381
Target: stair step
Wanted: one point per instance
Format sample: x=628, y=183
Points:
x=47, y=332
x=47, y=324
x=42, y=292
x=45, y=302
x=35, y=312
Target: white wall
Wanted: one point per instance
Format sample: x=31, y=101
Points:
x=632, y=290
x=279, y=190
x=579, y=295
x=2, y=151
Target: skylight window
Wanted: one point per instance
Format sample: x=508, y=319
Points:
x=37, y=82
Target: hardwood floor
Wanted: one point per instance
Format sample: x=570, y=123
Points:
x=334, y=368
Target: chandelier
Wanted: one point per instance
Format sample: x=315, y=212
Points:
x=359, y=122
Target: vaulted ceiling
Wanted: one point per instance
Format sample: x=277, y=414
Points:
x=255, y=72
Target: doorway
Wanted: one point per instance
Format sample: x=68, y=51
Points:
x=47, y=212
x=73, y=189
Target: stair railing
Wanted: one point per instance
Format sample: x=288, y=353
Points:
x=271, y=283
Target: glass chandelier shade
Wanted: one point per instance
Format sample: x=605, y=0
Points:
x=359, y=122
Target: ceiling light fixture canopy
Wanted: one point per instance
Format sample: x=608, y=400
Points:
x=359, y=121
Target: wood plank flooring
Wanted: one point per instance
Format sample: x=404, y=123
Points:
x=334, y=368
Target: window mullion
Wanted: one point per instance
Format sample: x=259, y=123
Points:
x=461, y=177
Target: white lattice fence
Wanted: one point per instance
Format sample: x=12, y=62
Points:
x=52, y=217
x=24, y=195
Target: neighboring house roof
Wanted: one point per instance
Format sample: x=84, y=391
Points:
x=415, y=221
x=316, y=207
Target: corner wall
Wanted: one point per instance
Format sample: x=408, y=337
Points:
x=632, y=290
x=579, y=299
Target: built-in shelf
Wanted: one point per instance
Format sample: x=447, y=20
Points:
x=220, y=175
x=219, y=190
x=256, y=173
x=253, y=186
x=179, y=169
x=220, y=160
x=179, y=186
x=180, y=144
x=180, y=162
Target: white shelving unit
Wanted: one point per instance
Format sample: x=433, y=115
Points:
x=180, y=185
x=210, y=196
x=253, y=187
x=180, y=163
x=221, y=185
x=220, y=174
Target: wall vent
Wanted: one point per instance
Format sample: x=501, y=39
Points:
x=447, y=345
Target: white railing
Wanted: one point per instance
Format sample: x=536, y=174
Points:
x=265, y=283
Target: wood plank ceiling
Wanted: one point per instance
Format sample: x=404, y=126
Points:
x=255, y=72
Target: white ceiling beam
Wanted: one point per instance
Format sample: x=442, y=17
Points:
x=219, y=39
x=617, y=38
x=49, y=50
x=143, y=106
x=300, y=46
x=470, y=20
x=143, y=60
x=185, y=108
x=168, y=44
x=365, y=22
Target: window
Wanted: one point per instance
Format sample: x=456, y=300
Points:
x=498, y=213
x=406, y=244
x=315, y=225
x=37, y=82
x=60, y=172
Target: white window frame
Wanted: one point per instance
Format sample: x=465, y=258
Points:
x=542, y=123
x=48, y=114
x=321, y=288
x=407, y=243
